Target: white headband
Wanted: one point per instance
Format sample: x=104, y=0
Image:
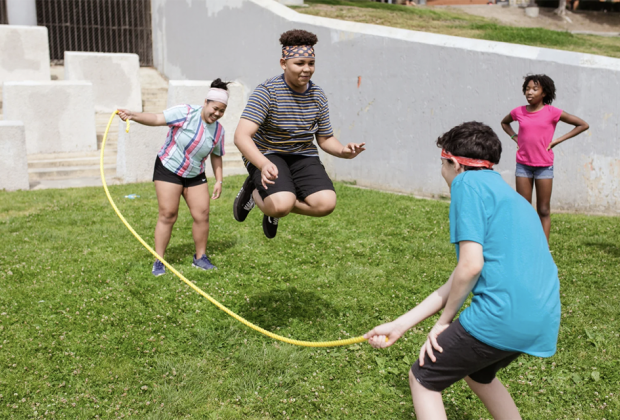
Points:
x=219, y=95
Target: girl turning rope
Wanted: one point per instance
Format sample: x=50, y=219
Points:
x=179, y=170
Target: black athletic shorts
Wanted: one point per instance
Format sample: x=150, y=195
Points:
x=462, y=356
x=161, y=173
x=301, y=175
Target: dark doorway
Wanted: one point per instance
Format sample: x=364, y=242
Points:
x=4, y=19
x=118, y=26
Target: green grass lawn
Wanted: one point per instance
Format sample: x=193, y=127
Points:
x=457, y=23
x=86, y=331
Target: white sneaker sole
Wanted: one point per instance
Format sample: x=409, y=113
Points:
x=203, y=269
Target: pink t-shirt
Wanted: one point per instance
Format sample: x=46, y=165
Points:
x=536, y=131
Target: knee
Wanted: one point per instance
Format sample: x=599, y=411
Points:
x=327, y=207
x=544, y=210
x=168, y=217
x=277, y=207
x=201, y=216
x=279, y=211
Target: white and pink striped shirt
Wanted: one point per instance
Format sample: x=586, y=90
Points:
x=190, y=140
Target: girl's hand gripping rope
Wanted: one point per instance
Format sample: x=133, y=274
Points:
x=384, y=335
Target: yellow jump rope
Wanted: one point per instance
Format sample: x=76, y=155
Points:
x=196, y=288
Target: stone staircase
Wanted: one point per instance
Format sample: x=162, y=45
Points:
x=81, y=169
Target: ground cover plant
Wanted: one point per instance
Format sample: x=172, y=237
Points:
x=457, y=23
x=87, y=332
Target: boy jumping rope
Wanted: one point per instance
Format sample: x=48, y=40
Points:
x=504, y=260
x=275, y=135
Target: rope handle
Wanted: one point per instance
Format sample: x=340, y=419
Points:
x=198, y=290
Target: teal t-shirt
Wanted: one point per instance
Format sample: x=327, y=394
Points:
x=516, y=301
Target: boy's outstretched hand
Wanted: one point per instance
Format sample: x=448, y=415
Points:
x=431, y=342
x=351, y=150
x=391, y=330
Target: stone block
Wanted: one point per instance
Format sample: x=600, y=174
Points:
x=137, y=150
x=14, y=164
x=194, y=92
x=24, y=53
x=115, y=78
x=531, y=12
x=58, y=116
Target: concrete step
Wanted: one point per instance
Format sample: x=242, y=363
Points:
x=108, y=159
x=70, y=172
x=44, y=184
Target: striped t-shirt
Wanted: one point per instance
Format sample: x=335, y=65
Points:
x=288, y=121
x=190, y=140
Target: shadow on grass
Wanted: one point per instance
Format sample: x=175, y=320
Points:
x=186, y=250
x=607, y=247
x=277, y=307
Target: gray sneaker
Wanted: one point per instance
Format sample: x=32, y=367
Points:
x=203, y=263
x=158, y=268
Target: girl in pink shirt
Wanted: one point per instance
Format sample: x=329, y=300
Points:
x=535, y=142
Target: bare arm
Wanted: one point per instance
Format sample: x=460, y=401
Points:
x=508, y=129
x=450, y=296
x=243, y=140
x=580, y=127
x=145, y=118
x=216, y=164
x=395, y=329
x=332, y=146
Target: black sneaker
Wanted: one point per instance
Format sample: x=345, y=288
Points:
x=244, y=201
x=270, y=226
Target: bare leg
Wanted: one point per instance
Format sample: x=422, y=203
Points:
x=168, y=197
x=319, y=204
x=197, y=199
x=543, y=203
x=525, y=186
x=427, y=404
x=496, y=399
x=276, y=205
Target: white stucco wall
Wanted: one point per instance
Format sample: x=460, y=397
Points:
x=14, y=165
x=24, y=53
x=137, y=150
x=194, y=92
x=21, y=12
x=398, y=90
x=58, y=116
x=115, y=78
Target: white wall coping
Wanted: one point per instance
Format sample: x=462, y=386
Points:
x=449, y=41
x=12, y=123
x=49, y=83
x=101, y=54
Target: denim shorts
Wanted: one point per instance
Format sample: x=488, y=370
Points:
x=536, y=172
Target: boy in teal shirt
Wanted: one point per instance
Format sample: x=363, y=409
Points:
x=504, y=260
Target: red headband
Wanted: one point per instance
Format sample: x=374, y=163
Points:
x=477, y=163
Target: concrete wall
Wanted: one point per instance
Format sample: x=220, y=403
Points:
x=194, y=92
x=398, y=90
x=58, y=116
x=24, y=53
x=21, y=12
x=115, y=78
x=137, y=151
x=13, y=166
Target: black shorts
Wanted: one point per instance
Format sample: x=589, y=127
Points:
x=161, y=173
x=462, y=356
x=301, y=175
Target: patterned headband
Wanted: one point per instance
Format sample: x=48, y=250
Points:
x=476, y=163
x=297, y=51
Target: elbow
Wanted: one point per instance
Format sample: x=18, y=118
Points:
x=471, y=269
x=586, y=127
